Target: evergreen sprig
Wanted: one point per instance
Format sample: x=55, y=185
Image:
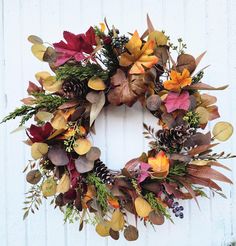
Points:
x=81, y=72
x=102, y=192
x=47, y=102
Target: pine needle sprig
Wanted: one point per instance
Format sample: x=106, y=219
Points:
x=81, y=72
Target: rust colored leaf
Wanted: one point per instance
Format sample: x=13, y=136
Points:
x=203, y=86
x=201, y=148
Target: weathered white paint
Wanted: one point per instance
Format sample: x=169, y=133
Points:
x=204, y=25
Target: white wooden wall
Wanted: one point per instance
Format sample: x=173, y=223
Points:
x=204, y=25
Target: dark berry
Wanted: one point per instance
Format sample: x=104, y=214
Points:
x=181, y=215
x=176, y=204
x=181, y=208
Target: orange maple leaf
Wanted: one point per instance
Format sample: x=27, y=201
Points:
x=178, y=80
x=138, y=56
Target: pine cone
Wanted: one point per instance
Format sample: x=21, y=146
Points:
x=175, y=137
x=73, y=88
x=101, y=171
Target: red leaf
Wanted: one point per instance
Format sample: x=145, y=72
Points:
x=33, y=88
x=39, y=133
x=175, y=101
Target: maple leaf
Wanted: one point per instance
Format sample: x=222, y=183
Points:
x=175, y=101
x=76, y=46
x=178, y=80
x=126, y=90
x=139, y=55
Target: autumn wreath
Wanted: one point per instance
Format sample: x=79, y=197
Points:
x=102, y=67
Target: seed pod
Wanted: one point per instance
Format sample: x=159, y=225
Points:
x=156, y=218
x=33, y=176
x=131, y=233
x=142, y=207
x=186, y=61
x=114, y=234
x=153, y=102
x=49, y=187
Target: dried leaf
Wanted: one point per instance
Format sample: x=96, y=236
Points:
x=33, y=176
x=131, y=233
x=93, y=97
x=83, y=165
x=156, y=218
x=50, y=55
x=150, y=25
x=186, y=61
x=202, y=86
x=38, y=150
x=40, y=76
x=142, y=207
x=203, y=115
x=49, y=187
x=35, y=39
x=222, y=131
x=59, y=121
x=200, y=149
x=153, y=102
x=58, y=156
x=38, y=50
x=96, y=84
x=82, y=146
x=93, y=154
x=64, y=184
x=44, y=116
x=117, y=220
x=103, y=228
x=51, y=84
x=114, y=234
x=158, y=37
x=97, y=107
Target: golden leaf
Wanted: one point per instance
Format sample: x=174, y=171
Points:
x=49, y=187
x=42, y=75
x=82, y=146
x=59, y=121
x=35, y=39
x=222, y=131
x=38, y=150
x=203, y=115
x=96, y=84
x=64, y=184
x=103, y=228
x=139, y=56
x=52, y=84
x=142, y=207
x=158, y=37
x=117, y=220
x=38, y=51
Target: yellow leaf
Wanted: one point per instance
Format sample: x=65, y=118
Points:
x=59, y=121
x=38, y=150
x=82, y=146
x=42, y=75
x=102, y=27
x=44, y=116
x=38, y=51
x=142, y=207
x=103, y=228
x=200, y=162
x=117, y=220
x=51, y=84
x=64, y=184
x=49, y=187
x=138, y=56
x=222, y=131
x=96, y=84
x=159, y=37
x=203, y=115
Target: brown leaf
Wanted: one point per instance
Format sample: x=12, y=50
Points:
x=207, y=172
x=186, y=61
x=162, y=53
x=131, y=233
x=202, y=86
x=33, y=88
x=83, y=165
x=69, y=104
x=149, y=24
x=93, y=154
x=58, y=156
x=33, y=176
x=50, y=55
x=114, y=234
x=126, y=89
x=97, y=107
x=199, y=58
x=201, y=148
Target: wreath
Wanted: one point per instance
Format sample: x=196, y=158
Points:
x=101, y=67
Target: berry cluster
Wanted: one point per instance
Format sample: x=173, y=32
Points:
x=119, y=42
x=178, y=210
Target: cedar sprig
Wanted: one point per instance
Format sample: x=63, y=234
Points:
x=33, y=200
x=102, y=192
x=157, y=206
x=47, y=102
x=81, y=72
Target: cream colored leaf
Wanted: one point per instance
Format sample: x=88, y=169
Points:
x=200, y=162
x=222, y=131
x=38, y=150
x=51, y=84
x=203, y=115
x=38, y=51
x=59, y=121
x=64, y=184
x=35, y=39
x=103, y=228
x=97, y=107
x=44, y=116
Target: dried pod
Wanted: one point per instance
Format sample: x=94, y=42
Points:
x=153, y=102
x=103, y=228
x=185, y=61
x=59, y=201
x=156, y=218
x=131, y=233
x=142, y=207
x=49, y=187
x=33, y=176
